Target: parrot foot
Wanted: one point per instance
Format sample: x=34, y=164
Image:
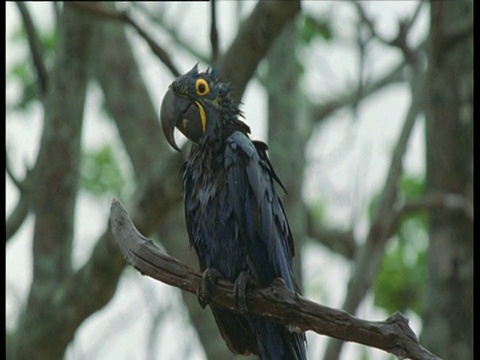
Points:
x=209, y=277
x=240, y=290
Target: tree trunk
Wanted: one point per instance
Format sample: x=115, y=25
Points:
x=448, y=305
x=288, y=130
x=44, y=329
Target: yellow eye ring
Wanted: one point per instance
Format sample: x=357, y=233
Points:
x=202, y=87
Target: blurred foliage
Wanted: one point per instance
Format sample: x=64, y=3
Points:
x=312, y=28
x=23, y=71
x=100, y=173
x=401, y=280
x=317, y=209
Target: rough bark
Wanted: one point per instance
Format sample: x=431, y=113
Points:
x=448, y=304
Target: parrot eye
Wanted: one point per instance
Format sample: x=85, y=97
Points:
x=202, y=87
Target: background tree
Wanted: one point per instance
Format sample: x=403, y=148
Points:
x=448, y=300
x=96, y=51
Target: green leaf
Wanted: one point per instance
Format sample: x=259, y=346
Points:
x=100, y=173
x=401, y=280
x=317, y=210
x=412, y=187
x=23, y=71
x=312, y=28
x=399, y=285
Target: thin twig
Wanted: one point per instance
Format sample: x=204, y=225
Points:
x=340, y=242
x=111, y=14
x=404, y=27
x=320, y=112
x=214, y=31
x=438, y=201
x=35, y=47
x=17, y=217
x=441, y=201
x=171, y=30
x=20, y=212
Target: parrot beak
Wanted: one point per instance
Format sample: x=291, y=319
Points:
x=180, y=112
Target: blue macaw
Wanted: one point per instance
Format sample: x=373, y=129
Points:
x=235, y=219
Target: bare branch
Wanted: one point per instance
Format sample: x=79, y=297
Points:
x=340, y=242
x=441, y=201
x=213, y=30
x=171, y=30
x=437, y=201
x=35, y=47
x=276, y=302
x=400, y=41
x=320, y=112
x=11, y=175
x=112, y=14
x=157, y=49
x=17, y=217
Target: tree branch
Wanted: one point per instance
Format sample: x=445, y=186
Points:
x=320, y=112
x=404, y=26
x=20, y=212
x=339, y=241
x=17, y=217
x=441, y=201
x=172, y=31
x=276, y=302
x=434, y=201
x=35, y=47
x=214, y=30
x=113, y=14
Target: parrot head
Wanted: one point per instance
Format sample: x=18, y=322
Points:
x=198, y=105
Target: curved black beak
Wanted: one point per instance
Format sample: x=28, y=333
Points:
x=184, y=114
x=171, y=113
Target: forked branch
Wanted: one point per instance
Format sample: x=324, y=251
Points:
x=276, y=302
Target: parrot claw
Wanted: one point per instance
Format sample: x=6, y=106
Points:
x=209, y=277
x=240, y=291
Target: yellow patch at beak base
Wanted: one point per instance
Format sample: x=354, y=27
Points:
x=203, y=116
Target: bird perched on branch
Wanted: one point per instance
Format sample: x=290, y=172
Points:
x=235, y=219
